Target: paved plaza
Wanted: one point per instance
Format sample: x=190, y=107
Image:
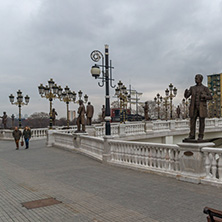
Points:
x=92, y=191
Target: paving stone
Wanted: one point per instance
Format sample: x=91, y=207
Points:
x=92, y=191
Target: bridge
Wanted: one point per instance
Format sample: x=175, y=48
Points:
x=92, y=191
x=97, y=178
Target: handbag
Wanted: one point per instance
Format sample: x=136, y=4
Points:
x=22, y=143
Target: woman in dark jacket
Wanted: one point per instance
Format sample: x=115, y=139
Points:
x=27, y=135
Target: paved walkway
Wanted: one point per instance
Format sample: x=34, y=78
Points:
x=91, y=191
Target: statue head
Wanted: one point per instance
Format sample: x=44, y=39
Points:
x=198, y=79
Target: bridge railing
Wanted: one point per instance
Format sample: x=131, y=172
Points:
x=38, y=133
x=213, y=164
x=149, y=156
x=184, y=161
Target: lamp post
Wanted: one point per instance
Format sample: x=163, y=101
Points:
x=50, y=92
x=185, y=103
x=158, y=100
x=19, y=103
x=67, y=96
x=106, y=79
x=122, y=94
x=13, y=120
x=171, y=93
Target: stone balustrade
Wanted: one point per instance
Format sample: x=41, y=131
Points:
x=213, y=164
x=148, y=156
x=39, y=133
x=197, y=163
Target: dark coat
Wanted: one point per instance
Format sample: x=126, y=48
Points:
x=198, y=94
x=27, y=133
x=89, y=111
x=81, y=112
x=17, y=134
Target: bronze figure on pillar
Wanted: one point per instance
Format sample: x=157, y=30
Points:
x=146, y=110
x=89, y=113
x=81, y=118
x=198, y=107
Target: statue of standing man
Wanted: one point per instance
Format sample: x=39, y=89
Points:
x=89, y=113
x=146, y=110
x=198, y=107
x=81, y=117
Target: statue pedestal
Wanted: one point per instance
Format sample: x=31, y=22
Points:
x=192, y=160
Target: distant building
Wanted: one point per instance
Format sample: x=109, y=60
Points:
x=215, y=87
x=72, y=115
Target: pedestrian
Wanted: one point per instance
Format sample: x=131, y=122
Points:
x=27, y=136
x=89, y=113
x=17, y=135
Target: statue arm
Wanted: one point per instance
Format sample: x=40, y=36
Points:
x=206, y=95
x=187, y=93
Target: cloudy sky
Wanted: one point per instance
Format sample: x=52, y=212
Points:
x=151, y=42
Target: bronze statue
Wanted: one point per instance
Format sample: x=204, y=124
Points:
x=178, y=111
x=81, y=117
x=89, y=113
x=146, y=109
x=4, y=120
x=198, y=106
x=54, y=114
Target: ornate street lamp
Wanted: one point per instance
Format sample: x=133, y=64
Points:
x=171, y=93
x=185, y=103
x=50, y=92
x=67, y=96
x=19, y=103
x=106, y=78
x=122, y=94
x=158, y=100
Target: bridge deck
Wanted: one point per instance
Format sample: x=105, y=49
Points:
x=91, y=191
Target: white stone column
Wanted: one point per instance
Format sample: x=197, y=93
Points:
x=148, y=126
x=122, y=131
x=191, y=161
x=50, y=138
x=106, y=151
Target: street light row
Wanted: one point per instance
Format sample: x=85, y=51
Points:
x=52, y=91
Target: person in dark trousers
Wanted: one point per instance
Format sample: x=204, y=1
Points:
x=27, y=135
x=17, y=135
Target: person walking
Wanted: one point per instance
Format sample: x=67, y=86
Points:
x=89, y=113
x=27, y=135
x=17, y=135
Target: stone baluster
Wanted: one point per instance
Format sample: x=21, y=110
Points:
x=176, y=160
x=146, y=156
x=214, y=166
x=220, y=167
x=151, y=156
x=158, y=157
